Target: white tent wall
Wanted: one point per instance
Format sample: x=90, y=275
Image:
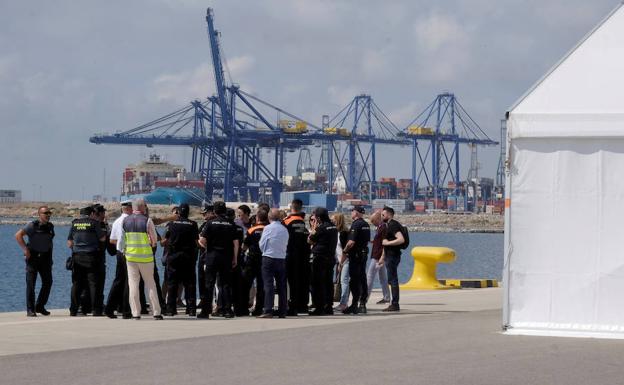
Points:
x=564, y=253
x=564, y=222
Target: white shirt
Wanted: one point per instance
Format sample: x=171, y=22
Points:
x=117, y=232
x=274, y=241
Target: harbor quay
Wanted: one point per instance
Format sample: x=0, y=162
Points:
x=439, y=337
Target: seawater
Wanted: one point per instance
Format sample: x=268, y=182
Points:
x=478, y=256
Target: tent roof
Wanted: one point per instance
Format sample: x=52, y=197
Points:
x=588, y=80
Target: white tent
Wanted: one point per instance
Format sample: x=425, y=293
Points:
x=564, y=224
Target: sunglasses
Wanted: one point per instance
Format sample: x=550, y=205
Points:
x=47, y=212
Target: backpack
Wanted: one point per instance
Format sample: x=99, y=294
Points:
x=405, y=234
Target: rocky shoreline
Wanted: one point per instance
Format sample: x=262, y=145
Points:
x=19, y=214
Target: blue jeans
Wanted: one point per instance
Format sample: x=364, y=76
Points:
x=344, y=284
x=373, y=269
x=274, y=269
x=392, y=264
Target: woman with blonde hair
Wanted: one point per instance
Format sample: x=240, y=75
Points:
x=343, y=269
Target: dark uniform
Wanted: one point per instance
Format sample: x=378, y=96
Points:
x=252, y=266
x=181, y=238
x=240, y=298
x=40, y=245
x=220, y=234
x=324, y=242
x=201, y=272
x=360, y=234
x=297, y=264
x=86, y=234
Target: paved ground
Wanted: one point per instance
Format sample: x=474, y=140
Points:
x=441, y=338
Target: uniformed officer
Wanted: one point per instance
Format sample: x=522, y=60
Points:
x=118, y=293
x=84, y=240
x=252, y=266
x=99, y=214
x=297, y=259
x=181, y=237
x=38, y=258
x=324, y=238
x=220, y=241
x=208, y=214
x=240, y=298
x=357, y=252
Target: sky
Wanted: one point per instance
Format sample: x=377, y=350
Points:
x=69, y=70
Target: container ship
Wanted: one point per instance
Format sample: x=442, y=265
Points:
x=160, y=182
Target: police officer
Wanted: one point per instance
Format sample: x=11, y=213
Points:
x=208, y=214
x=118, y=293
x=84, y=240
x=181, y=237
x=252, y=266
x=240, y=299
x=297, y=259
x=220, y=240
x=38, y=257
x=357, y=252
x=324, y=238
x=99, y=214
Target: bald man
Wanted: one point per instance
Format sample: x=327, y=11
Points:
x=273, y=244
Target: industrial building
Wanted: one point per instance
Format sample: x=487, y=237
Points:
x=10, y=196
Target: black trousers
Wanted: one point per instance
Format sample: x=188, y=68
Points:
x=181, y=270
x=118, y=294
x=201, y=276
x=86, y=275
x=357, y=278
x=323, y=282
x=298, y=275
x=218, y=264
x=38, y=263
x=253, y=271
x=240, y=296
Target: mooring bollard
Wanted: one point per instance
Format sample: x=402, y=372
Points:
x=426, y=259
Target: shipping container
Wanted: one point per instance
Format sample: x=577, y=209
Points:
x=288, y=196
x=323, y=200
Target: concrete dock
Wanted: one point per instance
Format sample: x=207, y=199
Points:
x=439, y=337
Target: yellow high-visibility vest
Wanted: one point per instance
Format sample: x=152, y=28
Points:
x=137, y=247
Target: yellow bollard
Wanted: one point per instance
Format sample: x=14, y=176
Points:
x=425, y=264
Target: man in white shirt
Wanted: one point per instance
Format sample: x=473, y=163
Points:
x=273, y=244
x=118, y=293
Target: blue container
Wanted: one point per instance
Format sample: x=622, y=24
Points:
x=323, y=200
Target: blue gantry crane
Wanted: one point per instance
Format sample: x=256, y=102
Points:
x=442, y=127
x=240, y=149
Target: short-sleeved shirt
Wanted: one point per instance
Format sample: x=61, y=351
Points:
x=117, y=232
x=252, y=240
x=393, y=227
x=360, y=234
x=324, y=240
x=39, y=236
x=182, y=236
x=220, y=234
x=86, y=234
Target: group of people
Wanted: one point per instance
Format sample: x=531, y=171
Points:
x=237, y=260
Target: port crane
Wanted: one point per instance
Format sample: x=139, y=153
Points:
x=240, y=149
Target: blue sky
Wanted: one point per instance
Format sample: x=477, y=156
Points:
x=71, y=69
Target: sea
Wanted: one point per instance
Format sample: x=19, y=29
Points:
x=478, y=256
